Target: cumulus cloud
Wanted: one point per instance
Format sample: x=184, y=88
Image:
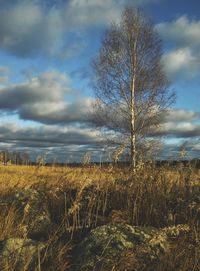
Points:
x=180, y=115
x=4, y=74
x=31, y=28
x=178, y=123
x=183, y=36
x=58, y=142
x=70, y=143
x=58, y=112
x=180, y=130
x=26, y=29
x=48, y=136
x=47, y=98
x=47, y=87
x=95, y=12
x=177, y=130
x=183, y=31
x=181, y=61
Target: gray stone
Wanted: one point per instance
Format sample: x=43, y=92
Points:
x=36, y=220
x=106, y=246
x=20, y=254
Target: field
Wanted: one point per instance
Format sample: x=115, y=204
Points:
x=49, y=215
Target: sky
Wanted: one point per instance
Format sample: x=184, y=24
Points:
x=46, y=48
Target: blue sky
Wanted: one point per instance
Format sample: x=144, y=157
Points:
x=45, y=50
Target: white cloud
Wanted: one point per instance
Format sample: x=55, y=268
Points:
x=183, y=36
x=178, y=130
x=31, y=28
x=183, y=31
x=196, y=147
x=4, y=74
x=180, y=115
x=48, y=136
x=47, y=98
x=27, y=28
x=90, y=12
x=61, y=142
x=179, y=123
x=48, y=86
x=178, y=60
x=184, y=126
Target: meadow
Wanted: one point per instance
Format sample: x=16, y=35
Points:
x=55, y=208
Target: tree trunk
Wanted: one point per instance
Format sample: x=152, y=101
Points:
x=133, y=135
x=133, y=132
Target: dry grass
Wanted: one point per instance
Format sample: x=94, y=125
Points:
x=81, y=198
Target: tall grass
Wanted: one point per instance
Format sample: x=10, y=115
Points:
x=82, y=198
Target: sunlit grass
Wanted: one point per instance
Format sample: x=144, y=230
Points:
x=84, y=197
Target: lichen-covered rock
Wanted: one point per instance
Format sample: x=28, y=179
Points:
x=173, y=232
x=32, y=204
x=105, y=245
x=20, y=254
x=108, y=246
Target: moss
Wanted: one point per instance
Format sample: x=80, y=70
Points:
x=33, y=207
x=19, y=253
x=105, y=245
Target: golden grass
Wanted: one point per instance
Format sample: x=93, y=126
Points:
x=89, y=196
x=25, y=176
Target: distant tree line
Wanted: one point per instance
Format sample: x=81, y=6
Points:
x=14, y=157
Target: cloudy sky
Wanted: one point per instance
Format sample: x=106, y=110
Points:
x=45, y=50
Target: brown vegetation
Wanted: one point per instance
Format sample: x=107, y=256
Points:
x=82, y=198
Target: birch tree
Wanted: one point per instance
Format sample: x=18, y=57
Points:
x=130, y=85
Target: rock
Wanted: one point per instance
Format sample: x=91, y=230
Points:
x=33, y=206
x=108, y=246
x=20, y=254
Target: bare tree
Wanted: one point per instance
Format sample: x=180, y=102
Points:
x=130, y=85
